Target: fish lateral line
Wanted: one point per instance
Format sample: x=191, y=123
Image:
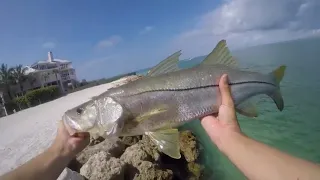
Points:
x=203, y=87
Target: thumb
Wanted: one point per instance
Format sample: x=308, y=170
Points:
x=226, y=98
x=227, y=112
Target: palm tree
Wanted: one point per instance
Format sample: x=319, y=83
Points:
x=6, y=77
x=31, y=79
x=56, y=71
x=59, y=83
x=45, y=77
x=19, y=76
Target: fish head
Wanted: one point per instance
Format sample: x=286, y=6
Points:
x=103, y=116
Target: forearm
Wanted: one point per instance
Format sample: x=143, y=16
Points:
x=47, y=165
x=259, y=161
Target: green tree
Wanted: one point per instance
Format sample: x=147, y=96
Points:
x=19, y=76
x=6, y=77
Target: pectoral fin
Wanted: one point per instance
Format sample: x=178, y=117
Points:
x=169, y=64
x=247, y=108
x=150, y=113
x=167, y=142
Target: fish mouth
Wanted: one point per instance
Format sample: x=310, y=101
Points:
x=71, y=125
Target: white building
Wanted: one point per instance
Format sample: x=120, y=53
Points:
x=49, y=72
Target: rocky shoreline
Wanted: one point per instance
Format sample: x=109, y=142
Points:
x=137, y=158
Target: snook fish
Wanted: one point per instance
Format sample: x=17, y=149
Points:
x=167, y=97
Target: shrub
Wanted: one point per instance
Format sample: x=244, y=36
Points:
x=42, y=95
x=10, y=106
x=33, y=98
x=22, y=102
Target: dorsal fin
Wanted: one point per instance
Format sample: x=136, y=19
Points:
x=169, y=64
x=220, y=55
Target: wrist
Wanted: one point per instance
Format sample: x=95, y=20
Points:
x=228, y=140
x=59, y=153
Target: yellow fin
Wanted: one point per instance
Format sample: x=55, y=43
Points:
x=276, y=95
x=167, y=141
x=220, y=55
x=279, y=73
x=169, y=64
x=150, y=113
x=247, y=108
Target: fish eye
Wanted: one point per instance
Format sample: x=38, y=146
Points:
x=79, y=111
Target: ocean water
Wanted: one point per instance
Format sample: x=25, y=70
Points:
x=295, y=130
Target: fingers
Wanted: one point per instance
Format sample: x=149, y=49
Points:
x=206, y=121
x=225, y=91
x=227, y=114
x=209, y=123
x=82, y=135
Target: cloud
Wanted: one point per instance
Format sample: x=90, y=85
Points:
x=109, y=42
x=146, y=29
x=251, y=22
x=49, y=45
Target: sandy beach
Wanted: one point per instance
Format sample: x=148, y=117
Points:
x=27, y=133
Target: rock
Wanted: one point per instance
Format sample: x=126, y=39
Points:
x=188, y=146
x=103, y=167
x=68, y=174
x=75, y=165
x=139, y=156
x=95, y=141
x=150, y=148
x=115, y=148
x=134, y=155
x=149, y=171
x=141, y=160
x=130, y=140
x=195, y=170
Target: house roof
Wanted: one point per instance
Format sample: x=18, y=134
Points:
x=61, y=60
x=52, y=62
x=29, y=70
x=32, y=70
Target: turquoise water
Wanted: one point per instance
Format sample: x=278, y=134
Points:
x=295, y=130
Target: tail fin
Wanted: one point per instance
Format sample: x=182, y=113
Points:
x=276, y=96
x=279, y=73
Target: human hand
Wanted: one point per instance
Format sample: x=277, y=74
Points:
x=225, y=123
x=67, y=145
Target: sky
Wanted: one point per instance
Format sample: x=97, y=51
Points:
x=106, y=38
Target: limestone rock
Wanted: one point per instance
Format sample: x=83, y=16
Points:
x=150, y=148
x=188, y=146
x=150, y=171
x=95, y=141
x=68, y=174
x=103, y=167
x=195, y=170
x=130, y=140
x=137, y=158
x=115, y=148
x=134, y=155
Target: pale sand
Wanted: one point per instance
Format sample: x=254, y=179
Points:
x=29, y=132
